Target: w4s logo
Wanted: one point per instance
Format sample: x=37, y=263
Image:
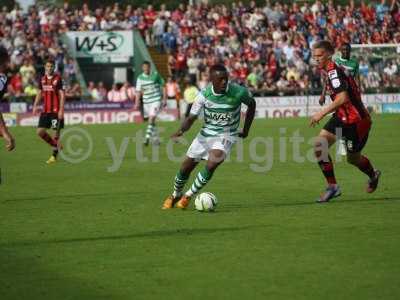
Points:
x=220, y=117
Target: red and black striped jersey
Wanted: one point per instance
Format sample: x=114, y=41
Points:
x=50, y=87
x=337, y=81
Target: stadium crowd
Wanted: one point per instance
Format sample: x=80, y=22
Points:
x=266, y=47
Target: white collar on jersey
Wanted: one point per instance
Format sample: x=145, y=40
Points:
x=215, y=94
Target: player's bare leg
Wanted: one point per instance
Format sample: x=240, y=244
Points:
x=180, y=180
x=365, y=166
x=215, y=158
x=42, y=133
x=59, y=146
x=322, y=144
x=151, y=131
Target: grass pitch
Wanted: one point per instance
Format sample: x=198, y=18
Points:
x=79, y=231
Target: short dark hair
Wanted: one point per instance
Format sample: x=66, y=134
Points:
x=348, y=45
x=326, y=45
x=50, y=61
x=218, y=68
x=3, y=54
x=146, y=62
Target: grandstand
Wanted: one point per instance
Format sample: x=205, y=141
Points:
x=264, y=46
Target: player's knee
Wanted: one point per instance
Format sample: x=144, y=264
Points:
x=317, y=144
x=214, y=162
x=317, y=148
x=40, y=131
x=321, y=146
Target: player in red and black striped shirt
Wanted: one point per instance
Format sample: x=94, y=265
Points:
x=52, y=116
x=4, y=60
x=350, y=121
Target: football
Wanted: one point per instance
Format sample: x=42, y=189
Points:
x=205, y=202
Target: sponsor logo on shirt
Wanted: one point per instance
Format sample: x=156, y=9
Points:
x=220, y=116
x=333, y=74
x=336, y=83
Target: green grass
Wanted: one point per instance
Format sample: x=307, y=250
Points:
x=77, y=231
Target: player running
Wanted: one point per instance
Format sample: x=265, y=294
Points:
x=350, y=117
x=351, y=68
x=4, y=60
x=221, y=102
x=52, y=91
x=151, y=89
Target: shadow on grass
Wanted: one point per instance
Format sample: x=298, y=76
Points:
x=27, y=276
x=149, y=234
x=336, y=201
x=66, y=196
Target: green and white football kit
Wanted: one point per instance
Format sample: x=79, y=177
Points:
x=151, y=87
x=221, y=119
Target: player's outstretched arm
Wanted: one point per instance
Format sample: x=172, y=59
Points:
x=164, y=98
x=251, y=110
x=10, y=142
x=340, y=99
x=37, y=101
x=186, y=125
x=323, y=94
x=61, y=94
x=138, y=101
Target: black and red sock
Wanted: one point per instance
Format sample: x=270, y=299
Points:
x=48, y=139
x=364, y=165
x=327, y=170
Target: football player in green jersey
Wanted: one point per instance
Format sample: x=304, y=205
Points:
x=221, y=104
x=152, y=94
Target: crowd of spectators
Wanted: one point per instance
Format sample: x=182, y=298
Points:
x=266, y=47
x=269, y=47
x=118, y=93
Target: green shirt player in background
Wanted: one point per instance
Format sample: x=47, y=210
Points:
x=151, y=91
x=349, y=64
x=221, y=103
x=351, y=68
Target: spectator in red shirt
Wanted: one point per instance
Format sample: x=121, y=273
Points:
x=178, y=13
x=15, y=86
x=150, y=15
x=180, y=64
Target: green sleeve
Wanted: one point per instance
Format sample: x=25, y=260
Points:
x=160, y=80
x=356, y=69
x=246, y=96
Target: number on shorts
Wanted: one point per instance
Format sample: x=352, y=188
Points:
x=54, y=123
x=350, y=145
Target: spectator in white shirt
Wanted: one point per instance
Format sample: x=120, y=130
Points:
x=115, y=95
x=128, y=92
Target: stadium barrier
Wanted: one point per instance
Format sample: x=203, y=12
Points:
x=303, y=106
x=80, y=112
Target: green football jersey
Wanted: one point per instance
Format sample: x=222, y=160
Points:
x=221, y=111
x=350, y=66
x=151, y=87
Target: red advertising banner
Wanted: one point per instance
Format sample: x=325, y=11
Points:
x=98, y=117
